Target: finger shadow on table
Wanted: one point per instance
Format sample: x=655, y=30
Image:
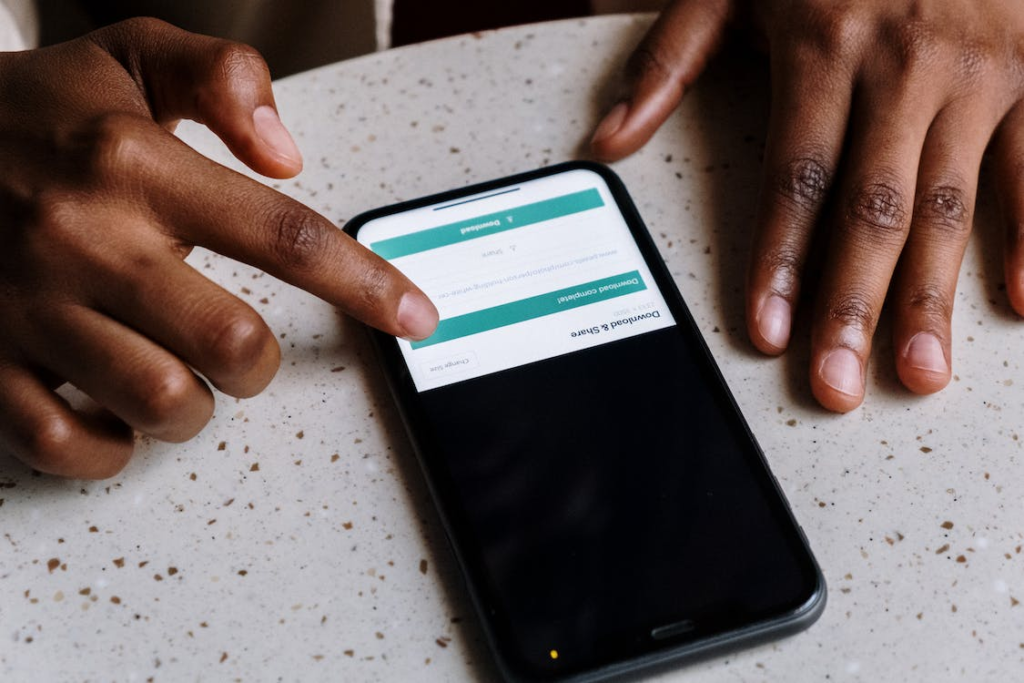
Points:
x=462, y=616
x=990, y=235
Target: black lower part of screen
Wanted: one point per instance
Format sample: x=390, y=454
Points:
x=607, y=494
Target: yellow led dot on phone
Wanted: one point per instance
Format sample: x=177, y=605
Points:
x=554, y=654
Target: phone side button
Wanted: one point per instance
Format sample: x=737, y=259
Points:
x=672, y=630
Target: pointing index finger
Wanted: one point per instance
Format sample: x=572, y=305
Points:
x=249, y=222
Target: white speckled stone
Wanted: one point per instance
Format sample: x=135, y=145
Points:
x=294, y=540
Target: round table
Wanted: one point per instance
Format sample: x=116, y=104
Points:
x=294, y=538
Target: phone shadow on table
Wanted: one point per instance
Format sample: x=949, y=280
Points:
x=462, y=615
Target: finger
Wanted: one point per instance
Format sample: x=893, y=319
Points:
x=279, y=235
x=811, y=101
x=135, y=379
x=40, y=429
x=208, y=328
x=1009, y=177
x=873, y=218
x=219, y=83
x=943, y=212
x=668, y=60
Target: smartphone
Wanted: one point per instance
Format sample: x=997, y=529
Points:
x=605, y=499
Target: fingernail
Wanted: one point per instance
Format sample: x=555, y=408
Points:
x=417, y=316
x=611, y=123
x=924, y=352
x=841, y=371
x=773, y=322
x=274, y=135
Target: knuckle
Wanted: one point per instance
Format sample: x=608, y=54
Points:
x=53, y=233
x=803, y=181
x=931, y=301
x=917, y=43
x=946, y=207
x=239, y=342
x=299, y=237
x=783, y=262
x=832, y=31
x=852, y=309
x=880, y=207
x=112, y=147
x=233, y=61
x=376, y=282
x=50, y=444
x=143, y=28
x=645, y=63
x=975, y=61
x=165, y=394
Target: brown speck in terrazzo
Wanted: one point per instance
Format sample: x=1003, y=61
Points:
x=423, y=566
x=925, y=449
x=223, y=657
x=961, y=559
x=335, y=458
x=222, y=445
x=94, y=530
x=380, y=636
x=791, y=423
x=255, y=467
x=347, y=525
x=943, y=549
x=119, y=562
x=114, y=599
x=300, y=434
x=443, y=641
x=243, y=572
x=85, y=591
x=143, y=563
x=171, y=571
x=349, y=653
x=340, y=368
x=193, y=476
x=52, y=564
x=1014, y=601
x=947, y=525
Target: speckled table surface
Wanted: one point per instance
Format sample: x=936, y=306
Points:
x=294, y=539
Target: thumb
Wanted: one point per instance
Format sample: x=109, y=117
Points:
x=668, y=60
x=219, y=83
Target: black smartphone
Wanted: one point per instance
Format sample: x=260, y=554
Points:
x=607, y=503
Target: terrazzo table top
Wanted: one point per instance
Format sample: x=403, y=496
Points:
x=294, y=538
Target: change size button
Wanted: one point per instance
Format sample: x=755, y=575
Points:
x=450, y=365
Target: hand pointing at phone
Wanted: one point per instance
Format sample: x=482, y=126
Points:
x=99, y=204
x=881, y=109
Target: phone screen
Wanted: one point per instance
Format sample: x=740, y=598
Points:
x=520, y=274
x=604, y=495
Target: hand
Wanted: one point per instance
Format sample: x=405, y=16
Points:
x=882, y=108
x=99, y=204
